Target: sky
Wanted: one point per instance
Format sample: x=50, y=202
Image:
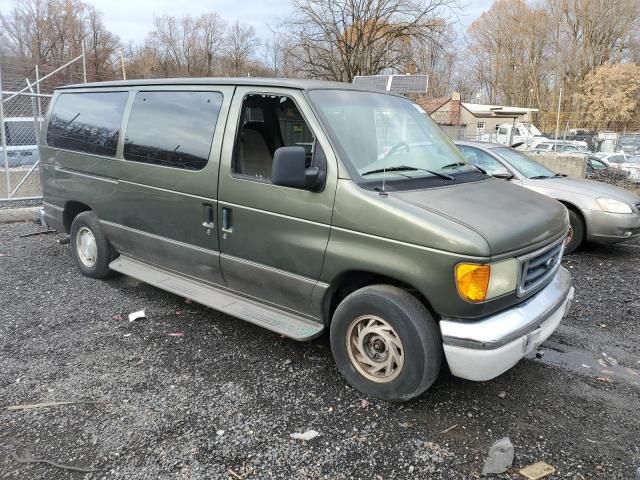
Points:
x=131, y=20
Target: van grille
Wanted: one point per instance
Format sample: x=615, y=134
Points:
x=539, y=266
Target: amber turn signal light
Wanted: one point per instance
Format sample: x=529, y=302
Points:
x=472, y=280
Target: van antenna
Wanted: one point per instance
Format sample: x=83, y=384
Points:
x=384, y=129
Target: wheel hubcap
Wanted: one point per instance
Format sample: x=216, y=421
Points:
x=86, y=247
x=375, y=349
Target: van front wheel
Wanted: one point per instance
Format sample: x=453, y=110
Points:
x=386, y=343
x=90, y=248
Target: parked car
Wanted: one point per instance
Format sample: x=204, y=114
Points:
x=624, y=162
x=629, y=143
x=559, y=146
x=360, y=217
x=598, y=212
x=598, y=169
x=22, y=147
x=589, y=137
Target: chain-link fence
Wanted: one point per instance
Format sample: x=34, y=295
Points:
x=26, y=90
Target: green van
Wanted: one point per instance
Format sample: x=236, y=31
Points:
x=301, y=206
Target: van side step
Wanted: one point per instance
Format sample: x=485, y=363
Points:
x=285, y=323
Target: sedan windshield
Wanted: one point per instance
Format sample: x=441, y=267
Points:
x=384, y=135
x=523, y=164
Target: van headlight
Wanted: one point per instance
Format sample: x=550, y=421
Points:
x=477, y=282
x=613, y=206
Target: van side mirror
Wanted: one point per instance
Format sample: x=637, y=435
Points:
x=289, y=170
x=502, y=173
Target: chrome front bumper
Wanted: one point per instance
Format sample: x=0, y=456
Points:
x=486, y=348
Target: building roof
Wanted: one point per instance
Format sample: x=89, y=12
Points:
x=430, y=105
x=479, y=109
x=240, y=81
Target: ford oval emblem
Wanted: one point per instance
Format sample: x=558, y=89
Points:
x=550, y=262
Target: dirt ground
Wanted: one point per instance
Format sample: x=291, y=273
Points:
x=189, y=393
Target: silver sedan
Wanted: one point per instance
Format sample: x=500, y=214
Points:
x=599, y=212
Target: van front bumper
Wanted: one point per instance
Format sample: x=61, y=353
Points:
x=482, y=350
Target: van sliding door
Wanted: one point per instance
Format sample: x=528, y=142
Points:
x=167, y=188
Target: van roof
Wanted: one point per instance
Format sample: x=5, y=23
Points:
x=236, y=81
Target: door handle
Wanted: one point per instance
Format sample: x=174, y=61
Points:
x=227, y=225
x=207, y=212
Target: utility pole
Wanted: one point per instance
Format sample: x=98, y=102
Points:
x=84, y=63
x=558, y=114
x=124, y=73
x=4, y=139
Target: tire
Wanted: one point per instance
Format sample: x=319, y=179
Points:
x=391, y=314
x=578, y=231
x=92, y=262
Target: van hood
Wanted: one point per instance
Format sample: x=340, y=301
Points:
x=508, y=216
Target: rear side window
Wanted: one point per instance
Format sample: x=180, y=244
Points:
x=87, y=122
x=173, y=129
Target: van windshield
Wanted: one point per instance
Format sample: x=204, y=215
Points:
x=387, y=136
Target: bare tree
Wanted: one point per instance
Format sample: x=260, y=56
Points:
x=241, y=44
x=588, y=34
x=51, y=32
x=509, y=52
x=184, y=46
x=436, y=56
x=340, y=39
x=101, y=47
x=174, y=42
x=210, y=41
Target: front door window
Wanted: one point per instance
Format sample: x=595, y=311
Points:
x=268, y=122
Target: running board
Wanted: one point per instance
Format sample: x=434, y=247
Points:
x=285, y=323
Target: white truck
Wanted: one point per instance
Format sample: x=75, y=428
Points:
x=521, y=134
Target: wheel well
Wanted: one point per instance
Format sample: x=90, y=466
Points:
x=348, y=282
x=71, y=211
x=576, y=210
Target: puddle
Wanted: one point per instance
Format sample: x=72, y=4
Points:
x=586, y=364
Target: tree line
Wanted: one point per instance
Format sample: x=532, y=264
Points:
x=518, y=52
x=524, y=53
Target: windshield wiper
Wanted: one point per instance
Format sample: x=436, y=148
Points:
x=406, y=168
x=451, y=165
x=539, y=177
x=560, y=175
x=464, y=164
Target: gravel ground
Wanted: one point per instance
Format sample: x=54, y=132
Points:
x=221, y=400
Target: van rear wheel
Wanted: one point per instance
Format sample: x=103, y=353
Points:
x=90, y=248
x=386, y=343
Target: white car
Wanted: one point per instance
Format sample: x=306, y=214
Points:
x=623, y=161
x=22, y=146
x=561, y=146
